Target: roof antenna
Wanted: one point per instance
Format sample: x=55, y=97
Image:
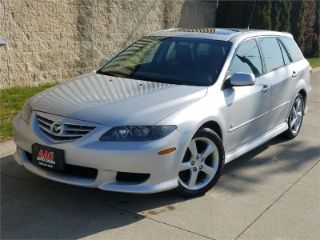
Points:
x=251, y=14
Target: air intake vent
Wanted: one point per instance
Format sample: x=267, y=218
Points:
x=62, y=132
x=132, y=177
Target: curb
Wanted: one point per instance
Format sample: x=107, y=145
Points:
x=316, y=69
x=7, y=148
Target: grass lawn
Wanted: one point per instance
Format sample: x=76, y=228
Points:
x=314, y=62
x=11, y=102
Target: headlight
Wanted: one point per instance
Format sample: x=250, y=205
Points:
x=26, y=112
x=137, y=133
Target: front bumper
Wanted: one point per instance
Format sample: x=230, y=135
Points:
x=108, y=158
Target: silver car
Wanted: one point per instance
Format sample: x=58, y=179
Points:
x=168, y=112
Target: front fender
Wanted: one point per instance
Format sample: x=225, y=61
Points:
x=191, y=118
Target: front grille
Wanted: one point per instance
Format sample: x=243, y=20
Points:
x=70, y=132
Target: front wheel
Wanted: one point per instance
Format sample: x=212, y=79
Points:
x=202, y=163
x=295, y=118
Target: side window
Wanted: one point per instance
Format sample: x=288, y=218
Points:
x=247, y=59
x=271, y=53
x=285, y=56
x=292, y=48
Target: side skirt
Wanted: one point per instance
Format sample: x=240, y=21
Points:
x=256, y=142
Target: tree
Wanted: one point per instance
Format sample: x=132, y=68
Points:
x=275, y=15
x=262, y=15
x=285, y=15
x=300, y=17
x=297, y=22
x=316, y=42
x=233, y=14
x=309, y=23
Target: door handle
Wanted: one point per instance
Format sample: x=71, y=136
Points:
x=265, y=88
x=294, y=74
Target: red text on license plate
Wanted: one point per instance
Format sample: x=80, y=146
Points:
x=46, y=156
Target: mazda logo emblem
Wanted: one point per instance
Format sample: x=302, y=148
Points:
x=57, y=128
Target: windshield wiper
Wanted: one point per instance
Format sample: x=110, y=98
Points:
x=113, y=74
x=155, y=79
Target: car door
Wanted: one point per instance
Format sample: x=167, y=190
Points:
x=247, y=107
x=280, y=75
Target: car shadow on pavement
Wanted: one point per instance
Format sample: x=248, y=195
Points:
x=33, y=207
x=256, y=167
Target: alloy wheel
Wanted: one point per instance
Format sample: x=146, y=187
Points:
x=200, y=164
x=296, y=116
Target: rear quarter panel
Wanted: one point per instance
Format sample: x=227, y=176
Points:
x=303, y=80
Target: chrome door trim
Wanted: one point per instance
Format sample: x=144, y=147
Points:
x=281, y=105
x=247, y=122
x=255, y=118
x=256, y=142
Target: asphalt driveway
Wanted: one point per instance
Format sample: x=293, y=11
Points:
x=271, y=193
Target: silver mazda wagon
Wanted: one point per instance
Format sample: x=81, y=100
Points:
x=168, y=112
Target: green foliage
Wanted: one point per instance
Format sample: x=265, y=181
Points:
x=266, y=15
x=275, y=15
x=285, y=6
x=228, y=14
x=299, y=17
x=262, y=15
x=309, y=22
x=12, y=101
x=297, y=22
x=316, y=43
x=314, y=62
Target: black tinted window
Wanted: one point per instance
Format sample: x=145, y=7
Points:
x=292, y=48
x=247, y=59
x=271, y=53
x=187, y=61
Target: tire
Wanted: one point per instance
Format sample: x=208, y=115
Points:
x=295, y=118
x=202, y=165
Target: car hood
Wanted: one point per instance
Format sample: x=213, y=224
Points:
x=115, y=101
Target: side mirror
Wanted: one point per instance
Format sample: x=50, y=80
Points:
x=242, y=79
x=103, y=61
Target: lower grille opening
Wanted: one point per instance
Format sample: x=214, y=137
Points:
x=132, y=177
x=77, y=171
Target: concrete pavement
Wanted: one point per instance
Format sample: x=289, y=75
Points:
x=272, y=192
x=7, y=148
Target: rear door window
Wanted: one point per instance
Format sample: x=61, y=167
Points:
x=285, y=56
x=292, y=49
x=247, y=59
x=272, y=54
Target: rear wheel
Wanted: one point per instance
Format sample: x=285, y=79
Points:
x=295, y=118
x=202, y=163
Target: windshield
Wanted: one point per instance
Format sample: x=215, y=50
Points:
x=177, y=60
